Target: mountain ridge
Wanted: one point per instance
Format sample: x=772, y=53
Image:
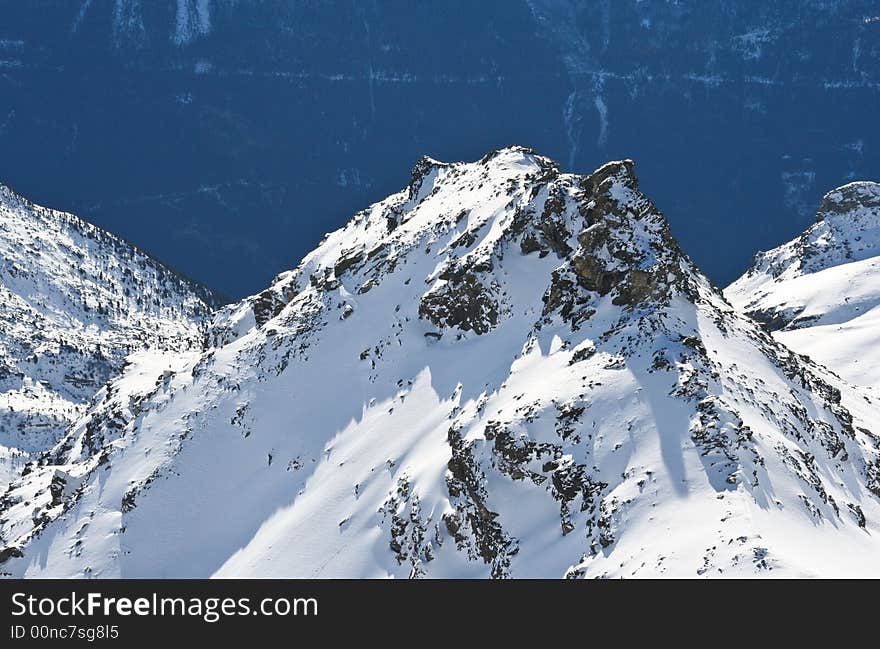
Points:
x=76, y=300
x=212, y=297
x=502, y=370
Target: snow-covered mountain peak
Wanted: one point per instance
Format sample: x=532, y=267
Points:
x=801, y=283
x=847, y=229
x=74, y=301
x=465, y=218
x=501, y=370
x=820, y=293
x=855, y=200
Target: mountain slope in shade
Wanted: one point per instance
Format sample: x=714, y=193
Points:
x=501, y=371
x=820, y=293
x=74, y=301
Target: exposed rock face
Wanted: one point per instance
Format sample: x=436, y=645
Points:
x=74, y=301
x=600, y=224
x=850, y=199
x=501, y=371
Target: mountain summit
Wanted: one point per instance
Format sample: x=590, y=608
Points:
x=502, y=370
x=847, y=229
x=820, y=293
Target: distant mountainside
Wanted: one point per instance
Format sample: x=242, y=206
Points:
x=820, y=293
x=503, y=370
x=74, y=302
x=180, y=124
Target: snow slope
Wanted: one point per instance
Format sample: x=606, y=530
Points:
x=501, y=371
x=74, y=301
x=820, y=293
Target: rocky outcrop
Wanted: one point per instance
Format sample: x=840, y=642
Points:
x=849, y=198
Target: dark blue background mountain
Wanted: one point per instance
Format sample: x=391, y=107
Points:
x=226, y=136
